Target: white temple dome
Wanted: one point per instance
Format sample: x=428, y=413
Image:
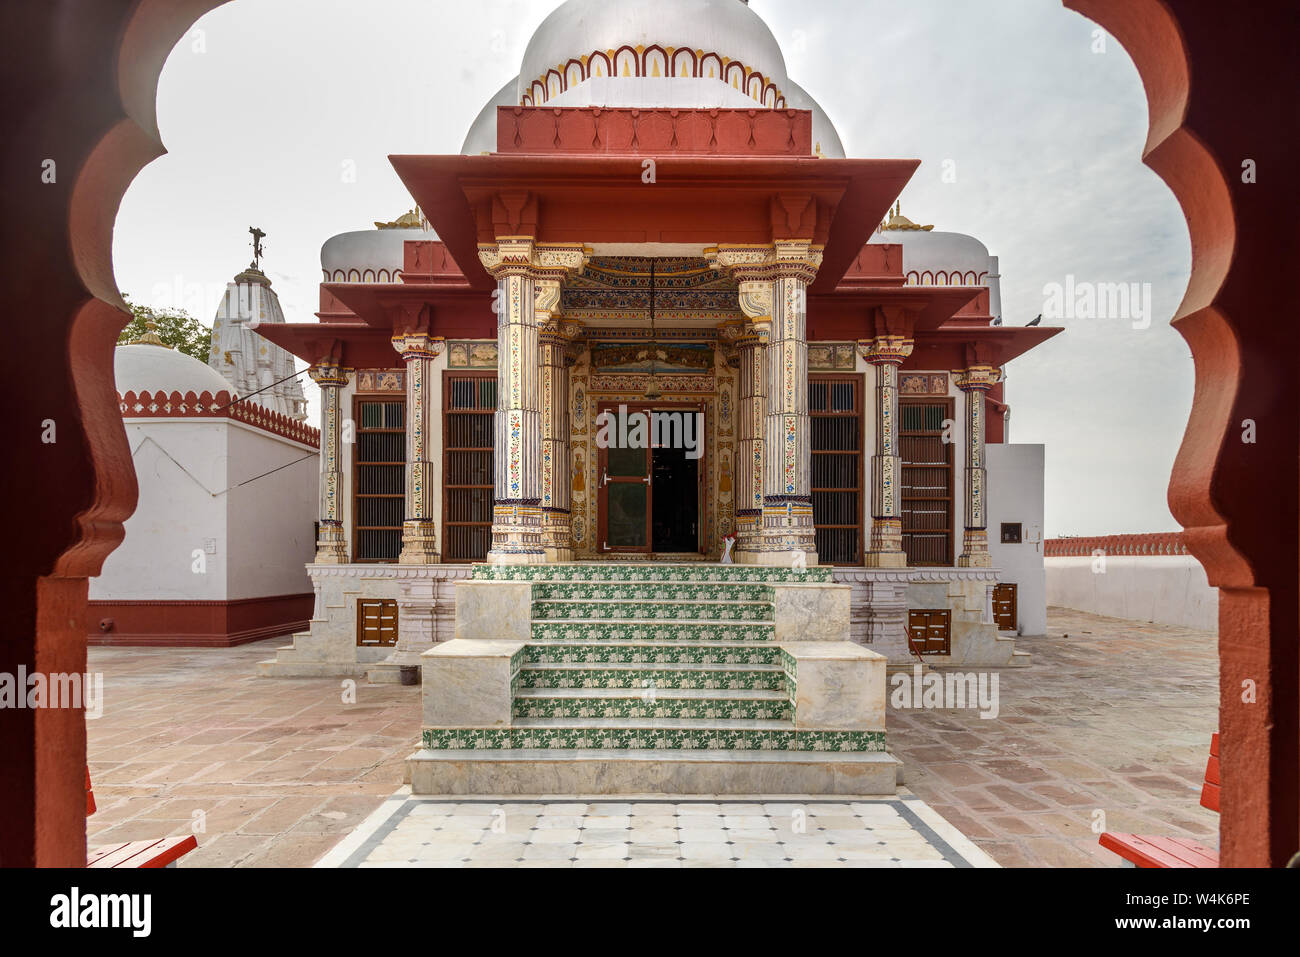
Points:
x=369, y=255
x=824, y=133
x=482, y=137
x=728, y=29
x=685, y=54
x=955, y=257
x=142, y=367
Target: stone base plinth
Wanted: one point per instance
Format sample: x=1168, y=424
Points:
x=500, y=610
x=425, y=598
x=817, y=611
x=547, y=772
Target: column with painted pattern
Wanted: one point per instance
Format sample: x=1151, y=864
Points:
x=885, y=547
x=331, y=542
x=528, y=277
x=975, y=382
x=419, y=528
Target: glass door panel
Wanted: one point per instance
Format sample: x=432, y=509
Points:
x=628, y=505
x=625, y=496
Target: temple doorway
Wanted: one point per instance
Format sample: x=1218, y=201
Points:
x=651, y=478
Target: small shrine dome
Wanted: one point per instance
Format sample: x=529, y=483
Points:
x=933, y=257
x=150, y=365
x=373, y=255
x=482, y=136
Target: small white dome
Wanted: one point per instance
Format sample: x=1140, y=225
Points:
x=727, y=29
x=148, y=368
x=944, y=259
x=368, y=255
x=823, y=130
x=482, y=136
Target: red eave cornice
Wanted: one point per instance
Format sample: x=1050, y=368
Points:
x=354, y=344
x=696, y=200
x=861, y=312
x=993, y=345
x=451, y=310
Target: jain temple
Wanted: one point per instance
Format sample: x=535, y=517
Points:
x=655, y=435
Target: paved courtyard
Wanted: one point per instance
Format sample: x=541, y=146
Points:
x=1115, y=718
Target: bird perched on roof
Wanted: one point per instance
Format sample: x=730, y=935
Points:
x=1038, y=320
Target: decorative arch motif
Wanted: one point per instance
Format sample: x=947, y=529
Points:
x=654, y=61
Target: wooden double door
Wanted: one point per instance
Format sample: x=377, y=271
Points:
x=652, y=492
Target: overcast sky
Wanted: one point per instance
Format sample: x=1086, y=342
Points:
x=263, y=106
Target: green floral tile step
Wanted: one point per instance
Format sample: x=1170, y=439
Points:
x=664, y=703
x=700, y=653
x=652, y=591
x=613, y=737
x=652, y=631
x=650, y=572
x=712, y=677
x=671, y=610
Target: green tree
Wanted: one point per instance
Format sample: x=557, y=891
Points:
x=176, y=327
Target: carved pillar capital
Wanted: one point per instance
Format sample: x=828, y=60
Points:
x=891, y=350
x=328, y=374
x=417, y=345
x=980, y=378
x=523, y=256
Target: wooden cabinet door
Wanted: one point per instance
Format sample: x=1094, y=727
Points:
x=929, y=632
x=1004, y=607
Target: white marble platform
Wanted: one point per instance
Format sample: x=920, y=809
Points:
x=797, y=831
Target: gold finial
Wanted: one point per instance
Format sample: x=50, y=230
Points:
x=898, y=222
x=150, y=337
x=412, y=219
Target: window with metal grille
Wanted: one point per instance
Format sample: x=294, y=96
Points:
x=927, y=481
x=929, y=631
x=469, y=404
x=376, y=622
x=378, y=480
x=835, y=407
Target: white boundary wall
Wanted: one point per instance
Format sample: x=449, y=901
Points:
x=1167, y=589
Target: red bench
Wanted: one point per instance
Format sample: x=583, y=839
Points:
x=161, y=852
x=1145, y=850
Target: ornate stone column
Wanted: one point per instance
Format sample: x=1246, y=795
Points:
x=787, y=492
x=773, y=294
x=528, y=276
x=556, y=340
x=975, y=382
x=751, y=416
x=331, y=543
x=419, y=529
x=885, y=548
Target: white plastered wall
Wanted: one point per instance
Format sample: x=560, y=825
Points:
x=1015, y=494
x=1167, y=589
x=271, y=518
x=181, y=470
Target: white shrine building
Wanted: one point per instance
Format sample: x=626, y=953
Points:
x=214, y=553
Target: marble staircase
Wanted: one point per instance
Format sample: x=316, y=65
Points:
x=652, y=679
